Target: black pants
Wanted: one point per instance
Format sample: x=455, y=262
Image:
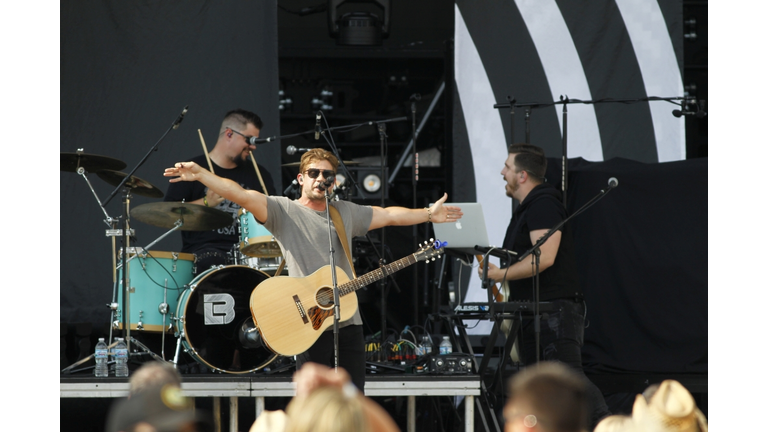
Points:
x=351, y=353
x=560, y=339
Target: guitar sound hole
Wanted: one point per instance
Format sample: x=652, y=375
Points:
x=325, y=297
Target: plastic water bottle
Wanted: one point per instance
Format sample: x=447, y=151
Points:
x=102, y=356
x=426, y=345
x=445, y=346
x=121, y=358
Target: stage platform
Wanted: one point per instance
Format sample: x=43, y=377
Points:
x=259, y=388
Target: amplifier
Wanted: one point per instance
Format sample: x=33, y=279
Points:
x=450, y=364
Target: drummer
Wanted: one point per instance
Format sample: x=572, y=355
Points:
x=229, y=158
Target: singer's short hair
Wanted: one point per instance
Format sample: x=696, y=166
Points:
x=238, y=119
x=318, y=154
x=531, y=159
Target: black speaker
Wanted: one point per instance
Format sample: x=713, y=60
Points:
x=368, y=183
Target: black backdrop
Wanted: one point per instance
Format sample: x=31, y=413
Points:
x=127, y=70
x=642, y=255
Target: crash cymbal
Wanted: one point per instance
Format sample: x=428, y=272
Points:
x=91, y=163
x=194, y=217
x=295, y=164
x=137, y=185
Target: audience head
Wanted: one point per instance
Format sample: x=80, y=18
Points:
x=546, y=397
x=157, y=408
x=670, y=408
x=326, y=409
x=616, y=423
x=153, y=373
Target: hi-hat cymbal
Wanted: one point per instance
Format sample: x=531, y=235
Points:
x=137, y=185
x=295, y=164
x=91, y=163
x=194, y=217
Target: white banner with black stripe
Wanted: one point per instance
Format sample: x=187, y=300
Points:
x=534, y=53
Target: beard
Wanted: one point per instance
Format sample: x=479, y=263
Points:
x=511, y=188
x=240, y=160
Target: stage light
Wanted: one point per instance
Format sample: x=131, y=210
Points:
x=372, y=183
x=360, y=28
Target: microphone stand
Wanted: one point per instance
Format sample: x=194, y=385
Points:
x=336, y=307
x=381, y=127
x=126, y=228
x=535, y=250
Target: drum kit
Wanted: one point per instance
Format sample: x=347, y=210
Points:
x=207, y=311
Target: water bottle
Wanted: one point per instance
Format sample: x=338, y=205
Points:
x=102, y=356
x=426, y=345
x=121, y=358
x=445, y=346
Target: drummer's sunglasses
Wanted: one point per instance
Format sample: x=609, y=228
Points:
x=314, y=172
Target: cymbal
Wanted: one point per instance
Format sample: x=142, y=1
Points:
x=295, y=164
x=90, y=162
x=137, y=185
x=194, y=217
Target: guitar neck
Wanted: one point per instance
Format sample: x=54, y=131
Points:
x=376, y=275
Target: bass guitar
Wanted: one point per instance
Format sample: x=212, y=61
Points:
x=292, y=312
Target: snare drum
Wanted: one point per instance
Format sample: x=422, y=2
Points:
x=267, y=265
x=215, y=323
x=255, y=240
x=155, y=280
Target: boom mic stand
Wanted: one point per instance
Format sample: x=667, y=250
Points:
x=535, y=250
x=126, y=228
x=381, y=127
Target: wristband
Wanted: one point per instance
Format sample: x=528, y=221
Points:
x=429, y=215
x=205, y=201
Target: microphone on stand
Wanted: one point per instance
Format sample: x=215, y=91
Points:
x=254, y=140
x=291, y=189
x=181, y=117
x=292, y=150
x=325, y=184
x=317, y=126
x=613, y=182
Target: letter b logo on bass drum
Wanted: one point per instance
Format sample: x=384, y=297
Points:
x=219, y=309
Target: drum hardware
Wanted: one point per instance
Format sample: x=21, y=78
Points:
x=192, y=217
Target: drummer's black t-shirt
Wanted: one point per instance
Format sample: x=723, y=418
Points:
x=543, y=209
x=225, y=238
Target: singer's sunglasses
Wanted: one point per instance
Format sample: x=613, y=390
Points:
x=247, y=138
x=314, y=172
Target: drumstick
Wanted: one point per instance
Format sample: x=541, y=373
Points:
x=258, y=173
x=205, y=150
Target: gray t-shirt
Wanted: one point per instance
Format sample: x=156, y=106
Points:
x=302, y=234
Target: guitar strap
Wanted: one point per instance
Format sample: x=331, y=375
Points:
x=339, y=225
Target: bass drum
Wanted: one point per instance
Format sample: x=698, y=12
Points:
x=215, y=323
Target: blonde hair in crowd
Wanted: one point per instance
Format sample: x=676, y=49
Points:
x=326, y=409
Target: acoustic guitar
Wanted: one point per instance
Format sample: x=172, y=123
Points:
x=292, y=312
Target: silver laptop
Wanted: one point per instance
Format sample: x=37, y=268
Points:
x=466, y=233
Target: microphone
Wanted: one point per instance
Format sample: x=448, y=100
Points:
x=494, y=251
x=613, y=182
x=415, y=97
x=254, y=140
x=181, y=117
x=317, y=126
x=292, y=149
x=326, y=183
x=291, y=187
x=679, y=113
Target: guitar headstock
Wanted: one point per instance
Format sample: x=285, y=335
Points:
x=431, y=249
